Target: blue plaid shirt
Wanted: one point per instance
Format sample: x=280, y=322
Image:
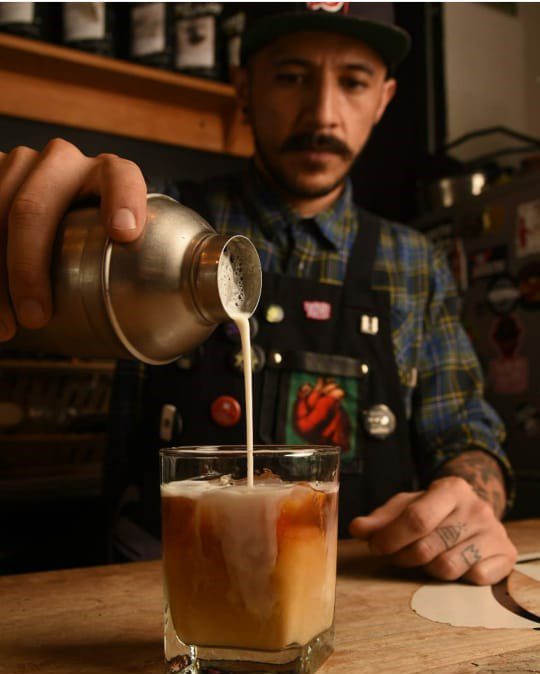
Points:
x=441, y=378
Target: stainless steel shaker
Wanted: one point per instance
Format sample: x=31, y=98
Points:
x=152, y=299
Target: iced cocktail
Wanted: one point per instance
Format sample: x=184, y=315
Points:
x=249, y=571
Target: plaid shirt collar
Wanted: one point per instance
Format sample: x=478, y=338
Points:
x=338, y=224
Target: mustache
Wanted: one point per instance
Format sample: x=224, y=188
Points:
x=317, y=141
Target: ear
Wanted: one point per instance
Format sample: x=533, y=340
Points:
x=239, y=78
x=388, y=93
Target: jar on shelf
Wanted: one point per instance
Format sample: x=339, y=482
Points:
x=89, y=26
x=198, y=39
x=233, y=28
x=22, y=18
x=151, y=32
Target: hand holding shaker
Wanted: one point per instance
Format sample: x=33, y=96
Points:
x=152, y=299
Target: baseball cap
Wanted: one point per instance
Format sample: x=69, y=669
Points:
x=370, y=22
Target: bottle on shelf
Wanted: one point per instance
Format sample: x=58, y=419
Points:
x=21, y=18
x=151, y=33
x=198, y=39
x=89, y=26
x=233, y=26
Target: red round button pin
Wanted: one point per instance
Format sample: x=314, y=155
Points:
x=226, y=411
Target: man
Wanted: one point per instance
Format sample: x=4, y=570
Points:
x=357, y=323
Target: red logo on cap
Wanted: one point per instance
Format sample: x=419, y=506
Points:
x=318, y=311
x=333, y=7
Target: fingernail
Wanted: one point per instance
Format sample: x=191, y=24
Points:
x=123, y=220
x=31, y=313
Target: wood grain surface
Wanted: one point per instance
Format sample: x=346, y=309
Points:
x=525, y=591
x=107, y=620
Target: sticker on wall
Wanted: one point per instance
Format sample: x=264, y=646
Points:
x=503, y=295
x=529, y=286
x=528, y=229
x=488, y=262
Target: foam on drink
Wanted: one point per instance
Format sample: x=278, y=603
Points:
x=232, y=292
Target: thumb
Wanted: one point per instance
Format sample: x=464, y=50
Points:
x=365, y=527
x=122, y=188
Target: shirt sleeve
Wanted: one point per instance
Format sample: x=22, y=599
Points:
x=450, y=414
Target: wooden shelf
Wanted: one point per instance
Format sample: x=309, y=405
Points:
x=59, y=85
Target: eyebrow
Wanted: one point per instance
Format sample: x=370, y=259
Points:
x=304, y=63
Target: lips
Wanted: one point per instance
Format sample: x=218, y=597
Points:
x=316, y=155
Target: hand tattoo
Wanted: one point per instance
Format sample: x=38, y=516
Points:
x=471, y=555
x=483, y=473
x=450, y=534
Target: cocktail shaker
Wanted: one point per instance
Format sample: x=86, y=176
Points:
x=152, y=299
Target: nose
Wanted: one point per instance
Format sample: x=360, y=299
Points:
x=322, y=107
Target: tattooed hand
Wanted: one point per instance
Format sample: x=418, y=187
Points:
x=484, y=475
x=451, y=529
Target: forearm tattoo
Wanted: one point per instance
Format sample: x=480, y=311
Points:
x=483, y=473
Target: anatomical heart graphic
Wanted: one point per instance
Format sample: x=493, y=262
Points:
x=322, y=411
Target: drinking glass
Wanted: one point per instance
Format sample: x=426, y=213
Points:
x=249, y=572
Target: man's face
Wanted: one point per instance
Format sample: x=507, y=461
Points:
x=312, y=100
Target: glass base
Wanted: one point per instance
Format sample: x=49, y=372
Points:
x=292, y=660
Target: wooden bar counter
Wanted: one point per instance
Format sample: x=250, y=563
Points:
x=108, y=620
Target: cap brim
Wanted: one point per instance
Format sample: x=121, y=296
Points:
x=390, y=42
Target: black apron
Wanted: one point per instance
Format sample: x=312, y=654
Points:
x=331, y=336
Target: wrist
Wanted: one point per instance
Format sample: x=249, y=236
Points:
x=483, y=473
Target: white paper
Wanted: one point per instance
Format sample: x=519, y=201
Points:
x=472, y=606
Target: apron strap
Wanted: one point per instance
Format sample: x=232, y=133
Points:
x=358, y=279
